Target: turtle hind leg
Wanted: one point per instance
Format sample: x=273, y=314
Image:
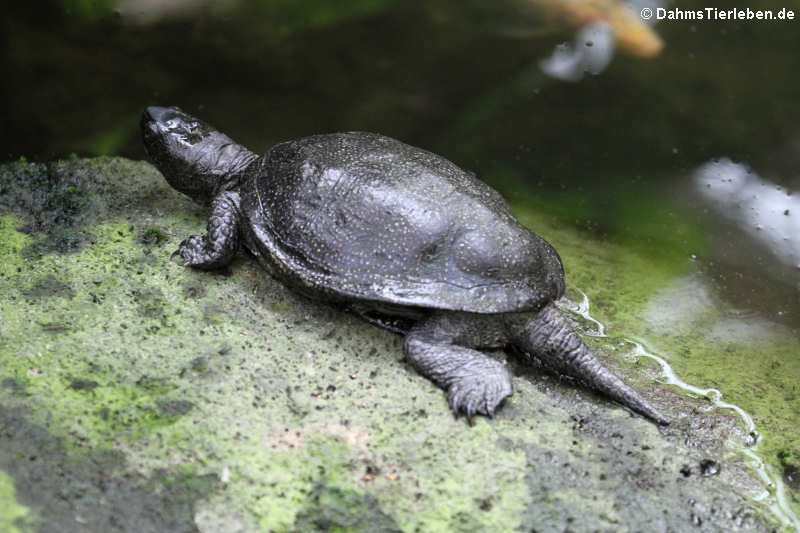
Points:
x=549, y=336
x=441, y=349
x=217, y=247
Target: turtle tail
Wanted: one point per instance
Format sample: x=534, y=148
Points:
x=549, y=336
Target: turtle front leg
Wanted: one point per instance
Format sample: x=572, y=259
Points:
x=440, y=348
x=217, y=247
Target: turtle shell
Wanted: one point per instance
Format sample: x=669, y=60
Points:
x=361, y=216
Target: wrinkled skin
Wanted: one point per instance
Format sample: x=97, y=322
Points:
x=396, y=234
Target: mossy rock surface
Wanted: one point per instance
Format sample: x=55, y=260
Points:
x=139, y=395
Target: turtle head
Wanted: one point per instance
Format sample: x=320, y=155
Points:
x=196, y=159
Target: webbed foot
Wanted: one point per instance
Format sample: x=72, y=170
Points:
x=479, y=393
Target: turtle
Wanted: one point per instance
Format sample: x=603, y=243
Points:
x=396, y=234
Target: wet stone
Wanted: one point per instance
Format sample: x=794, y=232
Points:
x=175, y=407
x=791, y=475
x=50, y=287
x=153, y=236
x=709, y=467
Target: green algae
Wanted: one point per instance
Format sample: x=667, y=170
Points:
x=275, y=413
x=14, y=243
x=53, y=204
x=13, y=516
x=91, y=489
x=713, y=338
x=338, y=510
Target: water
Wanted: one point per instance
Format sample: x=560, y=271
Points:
x=685, y=164
x=775, y=495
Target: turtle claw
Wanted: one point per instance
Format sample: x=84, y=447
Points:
x=477, y=395
x=190, y=250
x=181, y=261
x=207, y=253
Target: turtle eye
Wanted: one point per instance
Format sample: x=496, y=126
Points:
x=190, y=132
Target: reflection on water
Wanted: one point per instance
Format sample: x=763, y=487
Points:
x=594, y=44
x=680, y=306
x=767, y=214
x=591, y=51
x=633, y=35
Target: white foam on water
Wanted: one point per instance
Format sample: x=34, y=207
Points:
x=774, y=496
